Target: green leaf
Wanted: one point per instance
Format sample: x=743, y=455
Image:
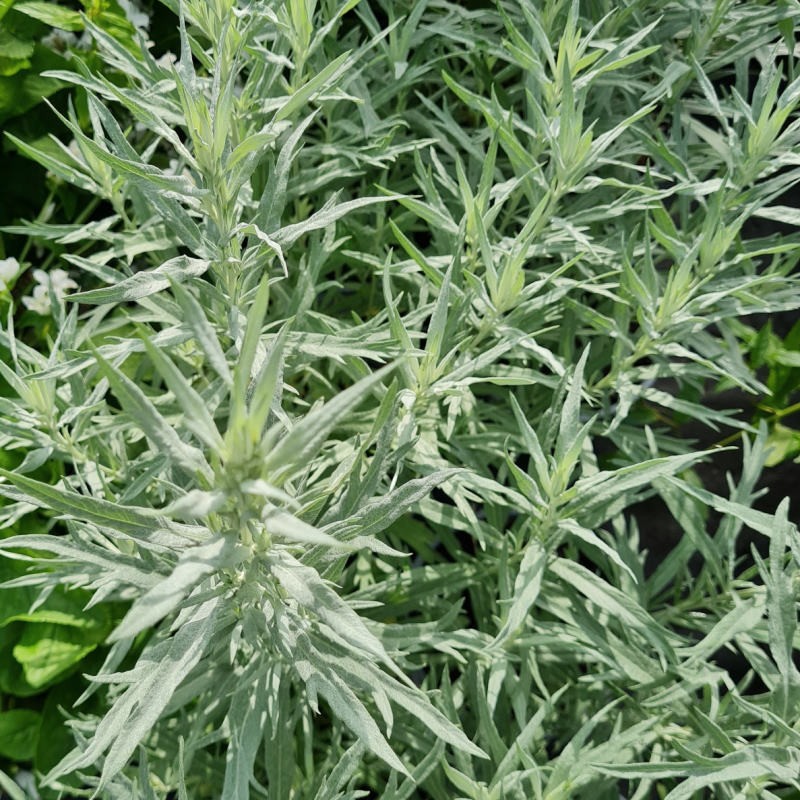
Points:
x=14, y=48
x=19, y=733
x=46, y=651
x=52, y=14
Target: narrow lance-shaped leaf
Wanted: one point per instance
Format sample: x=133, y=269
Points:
x=143, y=284
x=247, y=719
x=247, y=355
x=197, y=416
x=133, y=715
x=348, y=708
x=527, y=586
x=306, y=586
x=193, y=566
x=308, y=434
x=273, y=200
x=745, y=764
x=570, y=425
x=378, y=514
x=324, y=79
x=612, y=600
x=195, y=317
x=133, y=521
x=155, y=427
x=328, y=214
x=267, y=385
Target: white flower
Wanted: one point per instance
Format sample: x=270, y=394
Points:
x=135, y=14
x=61, y=280
x=9, y=269
x=167, y=60
x=39, y=301
x=59, y=40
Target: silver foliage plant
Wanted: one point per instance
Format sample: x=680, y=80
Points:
x=374, y=281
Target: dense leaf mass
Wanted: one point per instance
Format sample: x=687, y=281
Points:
x=362, y=433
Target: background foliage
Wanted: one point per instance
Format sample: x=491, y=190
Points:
x=388, y=393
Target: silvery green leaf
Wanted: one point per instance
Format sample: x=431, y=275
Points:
x=746, y=763
x=594, y=493
x=757, y=520
x=247, y=355
x=332, y=784
x=527, y=586
x=348, y=708
x=592, y=539
x=195, y=504
x=612, y=600
x=321, y=81
x=416, y=703
x=378, y=514
x=114, y=566
x=744, y=617
x=197, y=417
x=195, y=317
x=262, y=489
x=13, y=789
x=247, y=720
x=305, y=586
x=194, y=565
x=292, y=529
x=308, y=434
x=67, y=172
x=158, y=179
x=781, y=603
x=136, y=711
x=254, y=230
x=155, y=427
x=569, y=429
x=438, y=322
x=425, y=767
x=273, y=199
x=328, y=214
x=267, y=385
x=130, y=520
x=143, y=284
